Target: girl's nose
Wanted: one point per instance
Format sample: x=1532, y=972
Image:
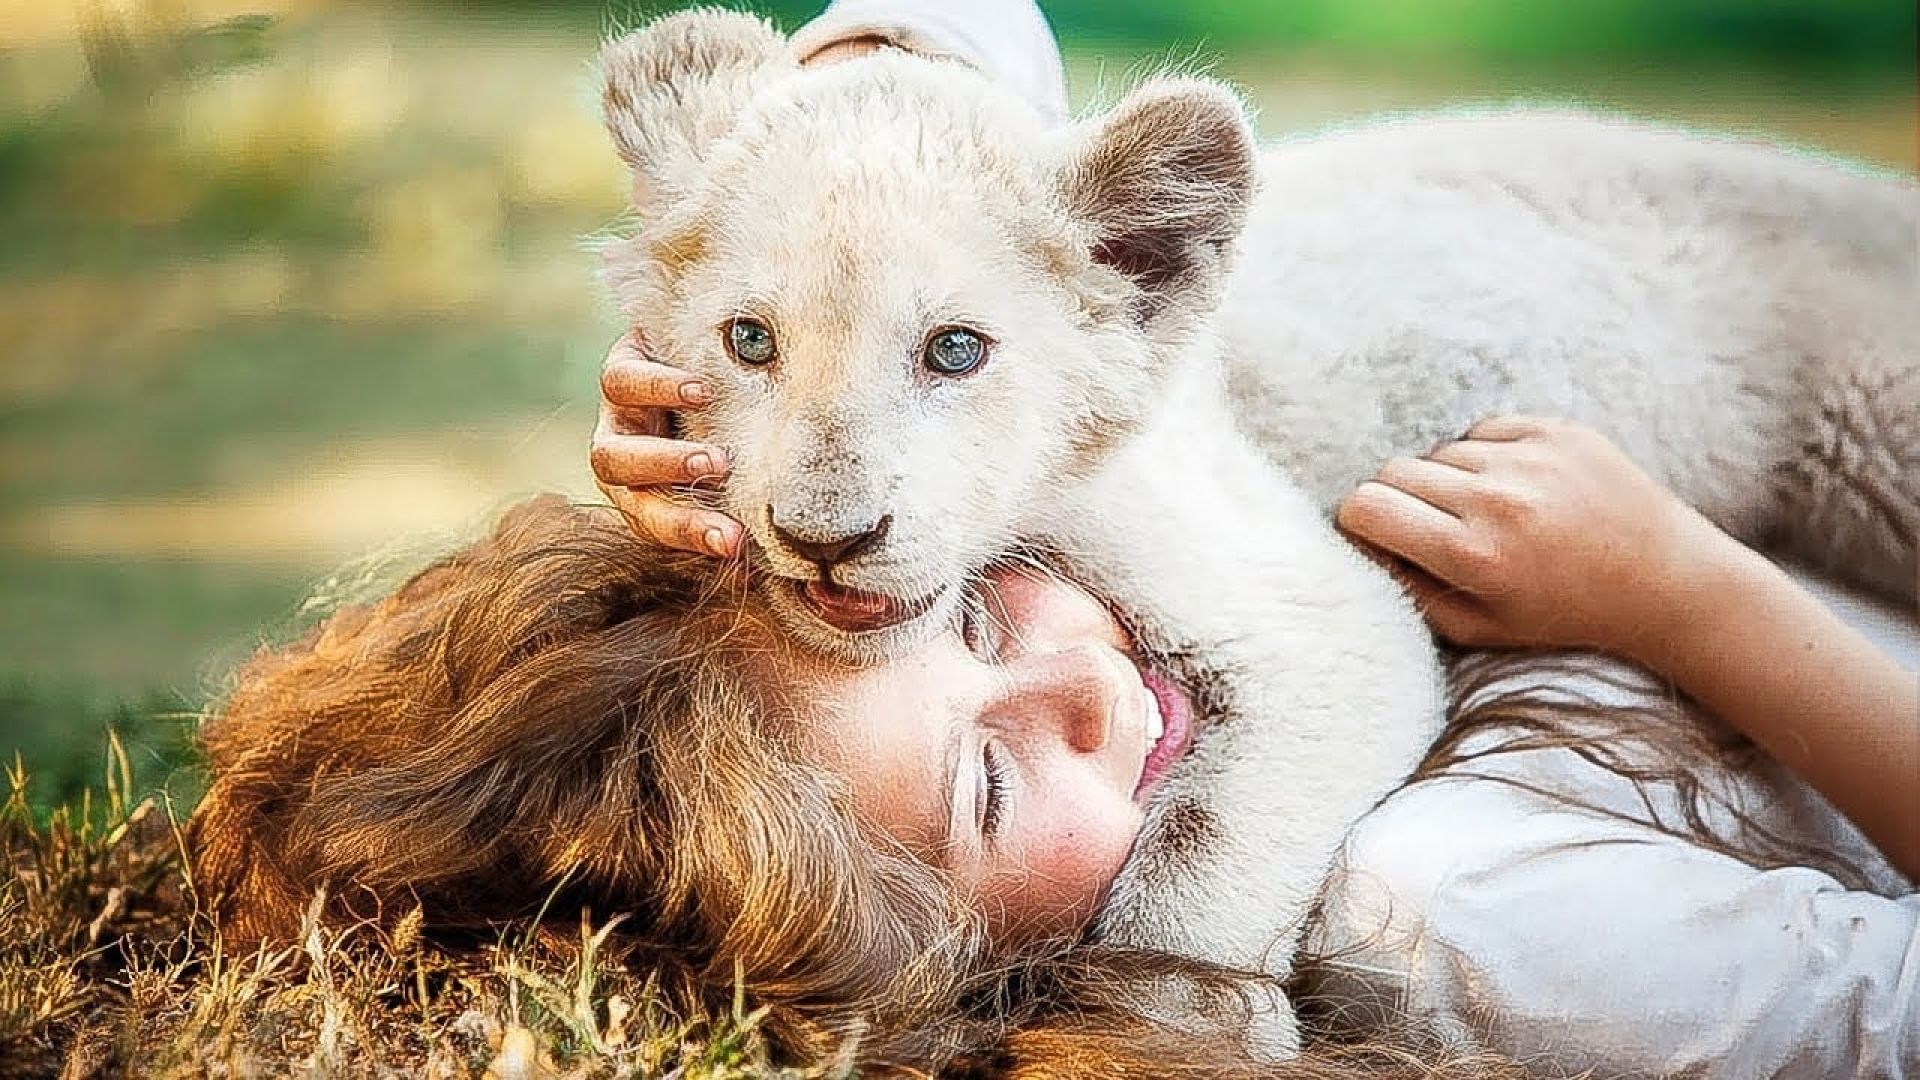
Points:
x=1071, y=695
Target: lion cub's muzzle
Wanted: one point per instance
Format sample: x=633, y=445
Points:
x=835, y=549
x=847, y=609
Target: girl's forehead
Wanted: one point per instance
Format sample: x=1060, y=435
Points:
x=893, y=748
x=921, y=689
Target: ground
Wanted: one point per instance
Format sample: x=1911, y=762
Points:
x=105, y=970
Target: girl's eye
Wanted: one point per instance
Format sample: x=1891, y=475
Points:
x=954, y=351
x=995, y=767
x=750, y=342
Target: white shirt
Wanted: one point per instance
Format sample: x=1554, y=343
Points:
x=1503, y=919
x=1507, y=921
x=1009, y=41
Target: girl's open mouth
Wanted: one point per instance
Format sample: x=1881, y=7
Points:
x=1176, y=722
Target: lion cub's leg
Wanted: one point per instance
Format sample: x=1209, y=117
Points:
x=1851, y=481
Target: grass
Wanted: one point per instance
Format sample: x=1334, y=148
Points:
x=107, y=969
x=171, y=420
x=1811, y=35
x=275, y=294
x=1799, y=34
x=154, y=732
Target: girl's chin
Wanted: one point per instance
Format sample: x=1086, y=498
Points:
x=1177, y=716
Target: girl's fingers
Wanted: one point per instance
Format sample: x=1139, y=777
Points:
x=631, y=453
x=1456, y=615
x=645, y=461
x=1412, y=529
x=1509, y=428
x=1445, y=486
x=1467, y=455
x=631, y=381
x=618, y=421
x=1415, y=581
x=686, y=528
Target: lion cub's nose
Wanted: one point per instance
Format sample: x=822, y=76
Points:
x=831, y=550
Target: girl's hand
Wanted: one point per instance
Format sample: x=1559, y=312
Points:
x=636, y=459
x=1538, y=532
x=1533, y=532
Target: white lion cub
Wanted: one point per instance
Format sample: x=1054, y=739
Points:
x=938, y=332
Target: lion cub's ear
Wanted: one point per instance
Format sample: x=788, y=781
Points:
x=1164, y=181
x=672, y=90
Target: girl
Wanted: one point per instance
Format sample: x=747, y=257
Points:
x=564, y=715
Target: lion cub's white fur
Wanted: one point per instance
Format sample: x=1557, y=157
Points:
x=1742, y=321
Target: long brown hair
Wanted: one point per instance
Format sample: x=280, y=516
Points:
x=556, y=717
x=1678, y=758
x=553, y=718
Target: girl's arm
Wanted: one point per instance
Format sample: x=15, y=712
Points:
x=1007, y=40
x=1538, y=533
x=1774, y=662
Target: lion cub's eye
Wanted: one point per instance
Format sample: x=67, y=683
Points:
x=750, y=342
x=954, y=351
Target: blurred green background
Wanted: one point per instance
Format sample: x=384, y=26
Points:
x=292, y=289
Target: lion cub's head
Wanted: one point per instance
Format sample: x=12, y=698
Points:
x=919, y=307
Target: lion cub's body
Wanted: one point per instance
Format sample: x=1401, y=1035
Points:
x=1392, y=286
x=1744, y=321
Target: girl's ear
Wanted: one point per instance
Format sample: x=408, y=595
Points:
x=1164, y=182
x=671, y=91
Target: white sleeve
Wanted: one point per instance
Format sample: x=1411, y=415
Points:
x=1507, y=922
x=1008, y=40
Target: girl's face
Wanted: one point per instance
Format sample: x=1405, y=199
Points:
x=1015, y=750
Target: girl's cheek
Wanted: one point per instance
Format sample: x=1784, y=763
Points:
x=1073, y=834
x=1081, y=860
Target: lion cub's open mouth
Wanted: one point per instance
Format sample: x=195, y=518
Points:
x=854, y=611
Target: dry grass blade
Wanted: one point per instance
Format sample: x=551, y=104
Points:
x=107, y=970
